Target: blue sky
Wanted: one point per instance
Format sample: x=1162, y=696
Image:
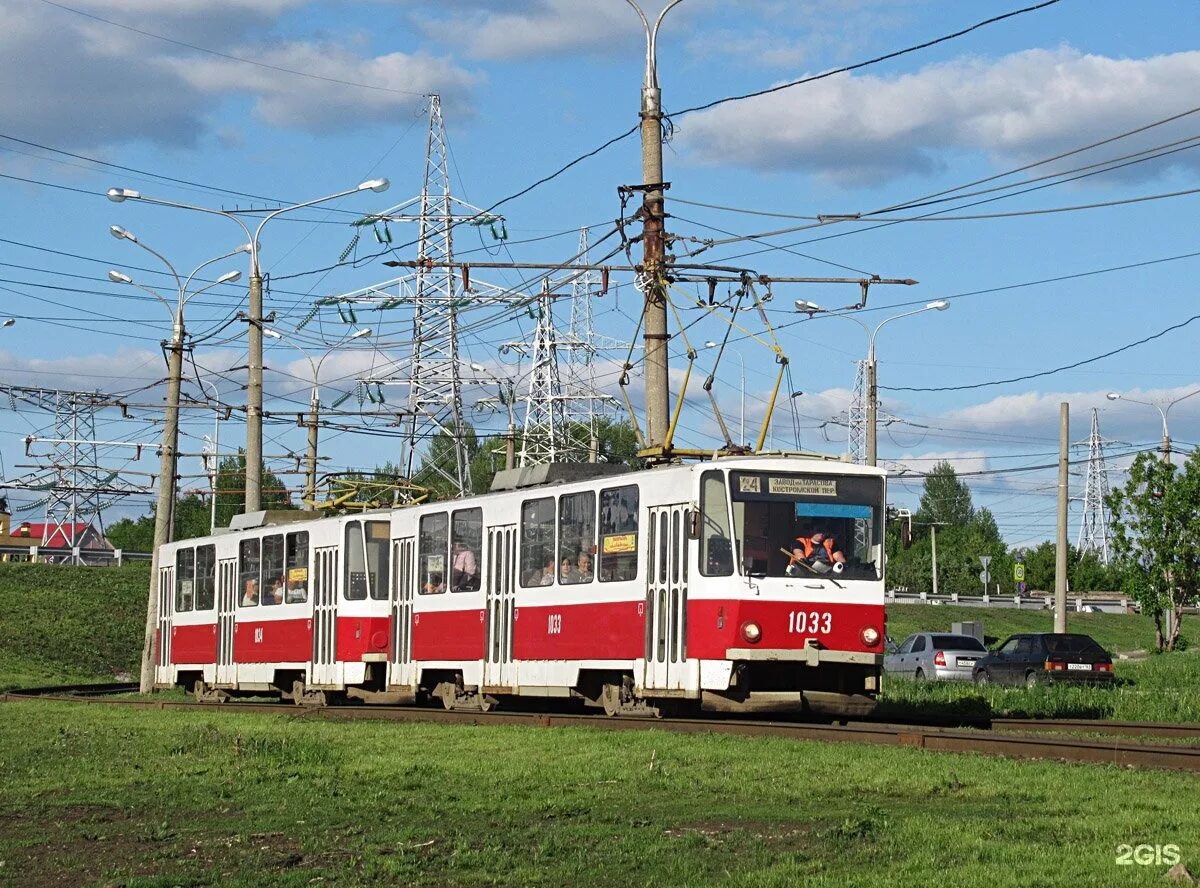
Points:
x=530, y=85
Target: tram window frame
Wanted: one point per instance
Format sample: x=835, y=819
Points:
x=716, y=526
x=583, y=541
x=354, y=582
x=185, y=580
x=206, y=582
x=295, y=555
x=377, y=543
x=272, y=570
x=466, y=528
x=249, y=574
x=430, y=548
x=614, y=565
x=538, y=537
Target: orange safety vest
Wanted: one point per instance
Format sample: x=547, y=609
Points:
x=807, y=545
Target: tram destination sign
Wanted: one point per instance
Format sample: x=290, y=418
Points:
x=786, y=485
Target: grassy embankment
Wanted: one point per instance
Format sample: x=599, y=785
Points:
x=141, y=798
x=1156, y=688
x=70, y=624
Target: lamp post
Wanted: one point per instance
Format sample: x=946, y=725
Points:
x=507, y=397
x=812, y=308
x=1163, y=410
x=165, y=497
x=742, y=411
x=314, y=407
x=8, y=322
x=254, y=387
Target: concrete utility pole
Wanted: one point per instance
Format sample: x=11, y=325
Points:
x=933, y=553
x=255, y=315
x=314, y=408
x=653, y=245
x=1060, y=559
x=164, y=503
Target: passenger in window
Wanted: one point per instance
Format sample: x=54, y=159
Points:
x=566, y=572
x=296, y=592
x=435, y=584
x=584, y=571
x=464, y=573
x=250, y=596
x=277, y=591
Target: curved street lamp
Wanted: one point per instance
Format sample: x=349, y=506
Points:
x=254, y=387
x=1163, y=410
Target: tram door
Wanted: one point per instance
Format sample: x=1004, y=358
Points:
x=666, y=598
x=226, y=597
x=500, y=670
x=403, y=581
x=166, y=606
x=324, y=619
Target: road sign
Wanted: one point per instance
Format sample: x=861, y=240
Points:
x=985, y=560
x=984, y=576
x=1019, y=572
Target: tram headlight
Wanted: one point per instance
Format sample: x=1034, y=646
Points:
x=870, y=636
x=751, y=632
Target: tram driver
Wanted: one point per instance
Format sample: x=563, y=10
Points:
x=815, y=551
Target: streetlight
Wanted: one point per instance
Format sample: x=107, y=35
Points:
x=742, y=415
x=812, y=308
x=254, y=387
x=507, y=398
x=314, y=407
x=165, y=499
x=8, y=322
x=1162, y=411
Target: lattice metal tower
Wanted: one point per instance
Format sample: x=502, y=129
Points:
x=73, y=503
x=585, y=404
x=856, y=425
x=544, y=439
x=1094, y=532
x=434, y=383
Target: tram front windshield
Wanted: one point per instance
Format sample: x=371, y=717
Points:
x=775, y=513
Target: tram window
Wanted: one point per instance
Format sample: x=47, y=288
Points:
x=185, y=579
x=675, y=547
x=356, y=563
x=431, y=553
x=297, y=568
x=537, y=542
x=272, y=569
x=576, y=537
x=716, y=547
x=378, y=555
x=619, y=534
x=206, y=577
x=248, y=571
x=466, y=547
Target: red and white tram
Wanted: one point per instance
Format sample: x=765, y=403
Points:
x=636, y=591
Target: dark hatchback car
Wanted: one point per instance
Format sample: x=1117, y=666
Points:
x=1043, y=658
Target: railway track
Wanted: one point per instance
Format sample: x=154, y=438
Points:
x=1014, y=738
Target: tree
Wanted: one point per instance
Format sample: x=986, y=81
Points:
x=945, y=499
x=1156, y=535
x=231, y=489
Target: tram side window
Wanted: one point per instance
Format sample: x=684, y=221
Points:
x=248, y=572
x=537, y=542
x=272, y=590
x=716, y=542
x=206, y=577
x=466, y=547
x=356, y=563
x=378, y=554
x=576, y=537
x=185, y=579
x=431, y=553
x=297, y=568
x=619, y=534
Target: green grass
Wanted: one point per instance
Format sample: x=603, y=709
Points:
x=70, y=624
x=111, y=796
x=1116, y=632
x=1160, y=688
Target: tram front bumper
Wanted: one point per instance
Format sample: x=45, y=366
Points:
x=809, y=655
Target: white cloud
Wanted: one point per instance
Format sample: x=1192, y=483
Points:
x=859, y=129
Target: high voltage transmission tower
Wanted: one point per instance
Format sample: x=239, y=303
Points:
x=1094, y=528
x=856, y=417
x=544, y=437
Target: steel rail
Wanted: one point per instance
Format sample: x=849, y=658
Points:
x=1004, y=743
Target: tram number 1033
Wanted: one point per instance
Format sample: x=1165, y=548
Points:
x=810, y=621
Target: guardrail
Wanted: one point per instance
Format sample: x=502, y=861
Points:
x=75, y=555
x=1106, y=604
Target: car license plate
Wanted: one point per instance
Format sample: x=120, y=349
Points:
x=965, y=661
x=1080, y=666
